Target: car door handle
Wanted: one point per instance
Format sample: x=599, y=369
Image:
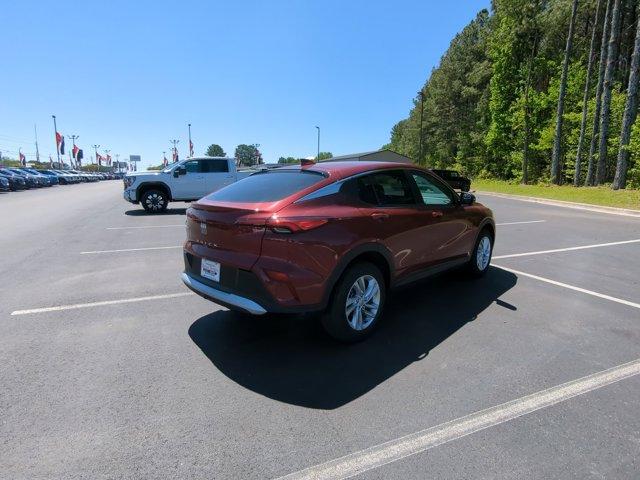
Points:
x=436, y=214
x=379, y=216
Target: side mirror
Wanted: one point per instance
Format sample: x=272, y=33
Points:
x=467, y=198
x=180, y=171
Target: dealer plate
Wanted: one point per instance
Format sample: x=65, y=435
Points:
x=210, y=269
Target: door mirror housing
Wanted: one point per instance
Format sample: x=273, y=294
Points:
x=180, y=171
x=467, y=198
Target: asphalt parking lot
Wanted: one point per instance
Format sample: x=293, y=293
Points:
x=110, y=368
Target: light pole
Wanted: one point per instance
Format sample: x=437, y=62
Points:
x=318, y=156
x=95, y=148
x=421, y=93
x=73, y=149
x=190, y=144
x=175, y=149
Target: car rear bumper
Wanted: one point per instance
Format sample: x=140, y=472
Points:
x=224, y=298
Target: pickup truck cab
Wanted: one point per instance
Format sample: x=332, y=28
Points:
x=184, y=181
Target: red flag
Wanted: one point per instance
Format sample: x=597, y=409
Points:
x=99, y=158
x=108, y=159
x=175, y=155
x=190, y=148
x=74, y=151
x=165, y=162
x=60, y=143
x=23, y=159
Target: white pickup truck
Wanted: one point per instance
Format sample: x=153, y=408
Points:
x=183, y=181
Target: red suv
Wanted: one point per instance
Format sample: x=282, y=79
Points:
x=333, y=237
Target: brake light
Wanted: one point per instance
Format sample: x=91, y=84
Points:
x=292, y=225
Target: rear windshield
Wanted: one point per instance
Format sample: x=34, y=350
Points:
x=266, y=187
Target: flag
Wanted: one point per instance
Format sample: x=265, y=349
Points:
x=165, y=162
x=190, y=148
x=60, y=143
x=99, y=158
x=108, y=159
x=79, y=156
x=74, y=151
x=175, y=155
x=23, y=159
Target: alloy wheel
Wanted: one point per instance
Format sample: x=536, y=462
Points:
x=363, y=302
x=155, y=202
x=483, y=253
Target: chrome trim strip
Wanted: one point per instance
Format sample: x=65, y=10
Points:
x=229, y=298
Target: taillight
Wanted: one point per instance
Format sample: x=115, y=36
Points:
x=294, y=224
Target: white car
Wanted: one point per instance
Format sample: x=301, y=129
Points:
x=183, y=181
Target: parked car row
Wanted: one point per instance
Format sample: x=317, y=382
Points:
x=20, y=178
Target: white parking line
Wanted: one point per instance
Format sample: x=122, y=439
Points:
x=520, y=223
x=130, y=250
x=146, y=226
x=571, y=287
x=99, y=304
x=540, y=252
x=394, y=450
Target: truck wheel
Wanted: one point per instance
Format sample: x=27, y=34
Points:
x=154, y=201
x=356, y=305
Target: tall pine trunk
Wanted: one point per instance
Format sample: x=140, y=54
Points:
x=591, y=171
x=630, y=112
x=585, y=98
x=557, y=141
x=607, y=87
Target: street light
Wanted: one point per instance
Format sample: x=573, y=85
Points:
x=318, y=156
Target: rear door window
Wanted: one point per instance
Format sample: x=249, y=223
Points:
x=266, y=186
x=214, y=166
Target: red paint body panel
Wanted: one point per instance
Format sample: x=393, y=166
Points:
x=298, y=270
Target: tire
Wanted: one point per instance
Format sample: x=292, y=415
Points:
x=154, y=201
x=481, y=255
x=365, y=315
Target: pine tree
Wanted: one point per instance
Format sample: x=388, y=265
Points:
x=585, y=99
x=607, y=86
x=591, y=171
x=557, y=141
x=630, y=112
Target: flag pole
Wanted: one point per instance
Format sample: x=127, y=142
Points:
x=55, y=128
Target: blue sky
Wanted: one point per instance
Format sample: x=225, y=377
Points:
x=130, y=75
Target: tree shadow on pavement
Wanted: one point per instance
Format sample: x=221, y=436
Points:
x=292, y=360
x=141, y=212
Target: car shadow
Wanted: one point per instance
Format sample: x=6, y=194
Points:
x=292, y=360
x=141, y=212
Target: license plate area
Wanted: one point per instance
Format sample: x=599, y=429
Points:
x=210, y=269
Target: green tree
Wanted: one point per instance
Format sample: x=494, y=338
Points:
x=288, y=160
x=247, y=155
x=215, y=150
x=324, y=156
